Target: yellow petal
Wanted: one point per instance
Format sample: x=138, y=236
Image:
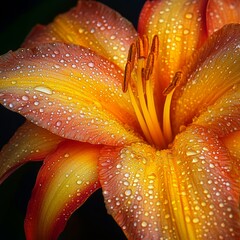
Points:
x=186, y=192
x=70, y=91
x=180, y=26
x=29, y=143
x=92, y=25
x=67, y=178
x=213, y=71
x=221, y=12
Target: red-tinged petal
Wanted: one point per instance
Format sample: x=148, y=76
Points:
x=92, y=25
x=29, y=143
x=65, y=181
x=187, y=192
x=70, y=91
x=222, y=12
x=213, y=71
x=180, y=26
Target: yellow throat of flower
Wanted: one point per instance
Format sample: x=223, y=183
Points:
x=140, y=77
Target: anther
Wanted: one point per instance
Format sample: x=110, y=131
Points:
x=140, y=49
x=176, y=79
x=145, y=44
x=132, y=55
x=149, y=66
x=155, y=45
x=127, y=76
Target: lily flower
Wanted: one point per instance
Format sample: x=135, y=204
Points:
x=151, y=117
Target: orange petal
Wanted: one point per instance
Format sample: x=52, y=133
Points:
x=224, y=115
x=221, y=12
x=68, y=90
x=92, y=25
x=187, y=192
x=29, y=143
x=180, y=26
x=232, y=142
x=213, y=71
x=67, y=178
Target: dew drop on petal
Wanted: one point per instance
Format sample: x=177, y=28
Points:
x=79, y=182
x=128, y=192
x=91, y=64
x=144, y=224
x=43, y=89
x=25, y=98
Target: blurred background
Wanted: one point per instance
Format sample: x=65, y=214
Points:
x=91, y=221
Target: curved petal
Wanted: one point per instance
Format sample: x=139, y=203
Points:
x=180, y=26
x=224, y=115
x=67, y=178
x=222, y=12
x=188, y=192
x=213, y=71
x=70, y=91
x=29, y=143
x=232, y=142
x=92, y=25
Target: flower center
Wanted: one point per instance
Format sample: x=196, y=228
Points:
x=140, y=78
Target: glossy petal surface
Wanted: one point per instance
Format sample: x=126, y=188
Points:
x=181, y=29
x=224, y=115
x=213, y=71
x=232, y=142
x=187, y=192
x=67, y=178
x=29, y=143
x=221, y=12
x=70, y=91
x=92, y=25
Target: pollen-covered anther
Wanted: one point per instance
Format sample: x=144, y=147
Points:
x=176, y=79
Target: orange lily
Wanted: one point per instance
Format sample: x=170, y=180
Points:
x=152, y=119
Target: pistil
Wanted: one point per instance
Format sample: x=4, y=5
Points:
x=139, y=80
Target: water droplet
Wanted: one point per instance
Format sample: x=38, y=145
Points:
x=80, y=30
x=91, y=64
x=186, y=31
x=58, y=123
x=43, y=89
x=139, y=198
x=79, y=182
x=144, y=224
x=189, y=15
x=195, y=220
x=128, y=192
x=194, y=160
x=118, y=166
x=126, y=183
x=190, y=153
x=152, y=176
x=25, y=98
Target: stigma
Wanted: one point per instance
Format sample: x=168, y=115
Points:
x=141, y=75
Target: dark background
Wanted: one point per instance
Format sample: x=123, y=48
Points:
x=91, y=221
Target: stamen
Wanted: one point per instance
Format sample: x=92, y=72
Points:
x=149, y=66
x=132, y=55
x=127, y=76
x=145, y=45
x=140, y=49
x=141, y=75
x=155, y=45
x=176, y=79
x=167, y=129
